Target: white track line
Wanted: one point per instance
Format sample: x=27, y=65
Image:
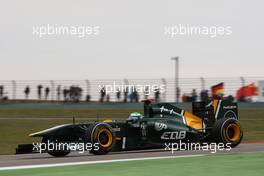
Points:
x=91, y=162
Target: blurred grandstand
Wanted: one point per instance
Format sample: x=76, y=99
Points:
x=89, y=90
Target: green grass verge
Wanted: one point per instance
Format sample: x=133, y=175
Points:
x=14, y=129
x=217, y=165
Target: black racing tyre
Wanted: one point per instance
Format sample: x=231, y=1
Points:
x=102, y=136
x=57, y=153
x=227, y=130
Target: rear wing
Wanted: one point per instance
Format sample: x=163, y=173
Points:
x=225, y=109
x=215, y=109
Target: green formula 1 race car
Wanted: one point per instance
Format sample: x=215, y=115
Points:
x=209, y=122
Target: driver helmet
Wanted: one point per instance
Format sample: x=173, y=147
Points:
x=134, y=116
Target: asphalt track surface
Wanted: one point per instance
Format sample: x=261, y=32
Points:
x=38, y=159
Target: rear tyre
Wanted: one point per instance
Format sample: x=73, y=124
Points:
x=227, y=130
x=102, y=136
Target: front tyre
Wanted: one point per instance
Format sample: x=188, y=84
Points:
x=227, y=130
x=103, y=135
x=57, y=152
